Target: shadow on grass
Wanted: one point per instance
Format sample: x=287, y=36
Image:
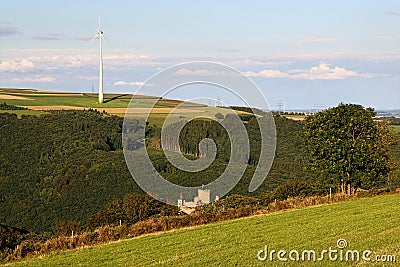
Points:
x=113, y=96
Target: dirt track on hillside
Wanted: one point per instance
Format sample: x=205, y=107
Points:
x=49, y=94
x=54, y=108
x=13, y=97
x=120, y=110
x=148, y=110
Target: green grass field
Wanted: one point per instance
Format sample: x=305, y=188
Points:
x=396, y=129
x=86, y=100
x=366, y=224
x=39, y=98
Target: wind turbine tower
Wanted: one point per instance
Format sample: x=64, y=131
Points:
x=100, y=34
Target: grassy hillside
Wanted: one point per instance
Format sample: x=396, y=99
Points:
x=396, y=129
x=366, y=224
x=39, y=101
x=21, y=97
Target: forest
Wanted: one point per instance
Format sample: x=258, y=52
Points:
x=67, y=168
x=67, y=165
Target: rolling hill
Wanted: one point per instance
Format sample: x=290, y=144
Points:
x=364, y=224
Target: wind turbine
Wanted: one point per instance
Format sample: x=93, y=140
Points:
x=100, y=34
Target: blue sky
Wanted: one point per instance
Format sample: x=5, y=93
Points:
x=299, y=52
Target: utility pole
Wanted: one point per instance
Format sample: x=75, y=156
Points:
x=280, y=105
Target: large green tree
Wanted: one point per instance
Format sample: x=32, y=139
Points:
x=347, y=148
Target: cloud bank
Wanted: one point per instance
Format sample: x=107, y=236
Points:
x=21, y=66
x=321, y=72
x=48, y=36
x=123, y=83
x=6, y=30
x=37, y=79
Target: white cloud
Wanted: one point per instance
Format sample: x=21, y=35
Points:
x=123, y=83
x=48, y=36
x=321, y=72
x=60, y=59
x=203, y=72
x=84, y=61
x=315, y=39
x=324, y=72
x=88, y=78
x=267, y=74
x=22, y=66
x=36, y=79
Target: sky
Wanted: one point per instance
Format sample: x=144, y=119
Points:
x=300, y=53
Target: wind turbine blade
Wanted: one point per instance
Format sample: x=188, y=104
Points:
x=105, y=39
x=94, y=37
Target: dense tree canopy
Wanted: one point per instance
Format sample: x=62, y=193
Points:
x=59, y=166
x=347, y=147
x=66, y=165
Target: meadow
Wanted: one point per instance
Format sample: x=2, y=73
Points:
x=86, y=100
x=39, y=101
x=396, y=129
x=366, y=224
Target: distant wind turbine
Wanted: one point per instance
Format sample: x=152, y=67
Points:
x=100, y=34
